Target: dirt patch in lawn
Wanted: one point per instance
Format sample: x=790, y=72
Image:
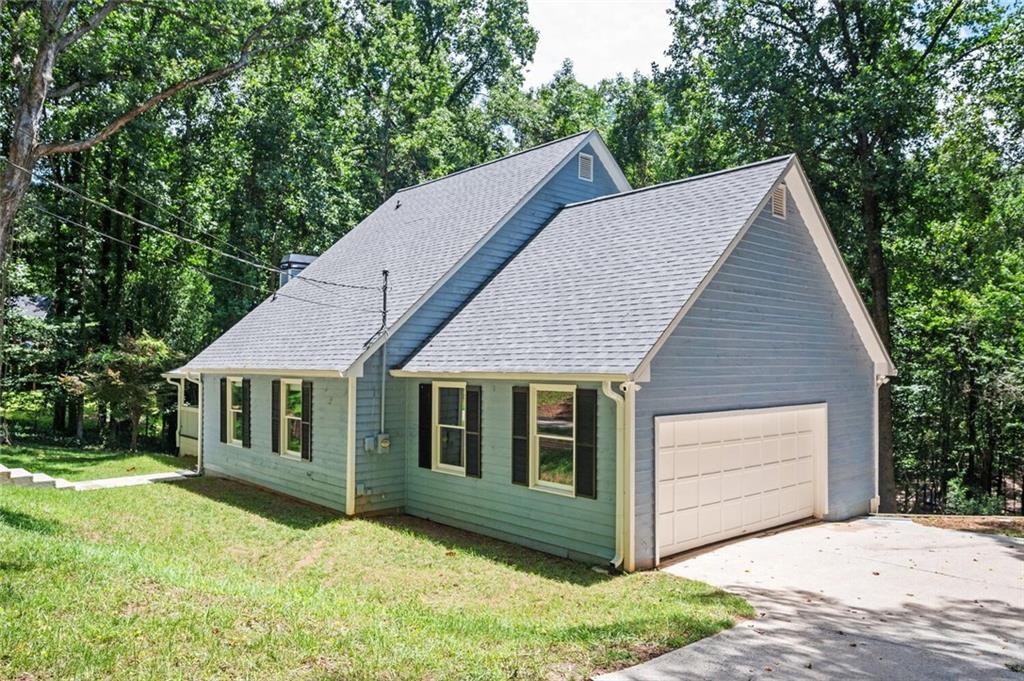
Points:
x=1011, y=527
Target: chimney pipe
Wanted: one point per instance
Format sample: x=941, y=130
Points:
x=291, y=265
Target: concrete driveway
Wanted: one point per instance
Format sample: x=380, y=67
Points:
x=871, y=598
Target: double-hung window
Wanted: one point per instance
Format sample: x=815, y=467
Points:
x=236, y=415
x=291, y=418
x=553, y=438
x=449, y=432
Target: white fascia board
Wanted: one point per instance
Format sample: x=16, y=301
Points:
x=284, y=373
x=643, y=370
x=507, y=376
x=800, y=188
x=613, y=169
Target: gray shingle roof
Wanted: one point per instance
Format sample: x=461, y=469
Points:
x=597, y=287
x=418, y=235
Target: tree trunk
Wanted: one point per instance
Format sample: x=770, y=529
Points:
x=878, y=276
x=136, y=416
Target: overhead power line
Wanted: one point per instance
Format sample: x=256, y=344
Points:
x=172, y=214
x=186, y=239
x=182, y=263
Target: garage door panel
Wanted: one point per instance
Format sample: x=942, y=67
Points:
x=710, y=518
x=732, y=485
x=686, y=527
x=686, y=494
x=752, y=510
x=686, y=433
x=666, y=497
x=732, y=515
x=732, y=456
x=666, y=464
x=710, y=459
x=710, y=490
x=728, y=474
x=687, y=462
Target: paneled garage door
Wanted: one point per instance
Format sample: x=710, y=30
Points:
x=723, y=474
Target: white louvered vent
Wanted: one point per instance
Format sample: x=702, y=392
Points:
x=779, y=201
x=587, y=167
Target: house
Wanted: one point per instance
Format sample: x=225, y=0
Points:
x=608, y=374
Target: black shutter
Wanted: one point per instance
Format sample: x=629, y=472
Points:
x=246, y=413
x=586, y=443
x=223, y=410
x=426, y=423
x=275, y=416
x=520, y=435
x=474, y=403
x=307, y=420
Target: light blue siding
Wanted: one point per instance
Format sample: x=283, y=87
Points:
x=579, y=528
x=769, y=330
x=321, y=481
x=381, y=476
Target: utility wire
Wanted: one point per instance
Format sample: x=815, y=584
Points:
x=167, y=211
x=181, y=237
x=229, y=280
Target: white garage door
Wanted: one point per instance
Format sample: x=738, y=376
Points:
x=724, y=474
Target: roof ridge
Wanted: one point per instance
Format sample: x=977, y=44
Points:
x=702, y=176
x=496, y=160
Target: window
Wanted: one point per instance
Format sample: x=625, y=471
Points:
x=190, y=394
x=586, y=167
x=291, y=417
x=236, y=416
x=553, y=438
x=449, y=421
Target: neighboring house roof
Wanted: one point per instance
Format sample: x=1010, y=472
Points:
x=421, y=234
x=32, y=307
x=606, y=280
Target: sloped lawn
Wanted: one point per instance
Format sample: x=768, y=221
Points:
x=211, y=579
x=89, y=463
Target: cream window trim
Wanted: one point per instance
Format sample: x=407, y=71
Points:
x=436, y=426
x=234, y=410
x=535, y=481
x=285, y=418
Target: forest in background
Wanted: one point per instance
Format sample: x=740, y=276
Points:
x=907, y=115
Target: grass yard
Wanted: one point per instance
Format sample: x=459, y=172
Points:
x=210, y=578
x=88, y=463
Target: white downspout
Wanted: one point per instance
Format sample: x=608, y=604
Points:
x=606, y=388
x=350, y=447
x=179, y=384
x=629, y=389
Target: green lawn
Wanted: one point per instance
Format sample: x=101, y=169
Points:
x=88, y=464
x=209, y=578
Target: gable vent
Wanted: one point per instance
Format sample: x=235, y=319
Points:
x=779, y=201
x=587, y=167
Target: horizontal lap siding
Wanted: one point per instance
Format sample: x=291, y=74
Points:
x=492, y=505
x=321, y=481
x=381, y=476
x=769, y=330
